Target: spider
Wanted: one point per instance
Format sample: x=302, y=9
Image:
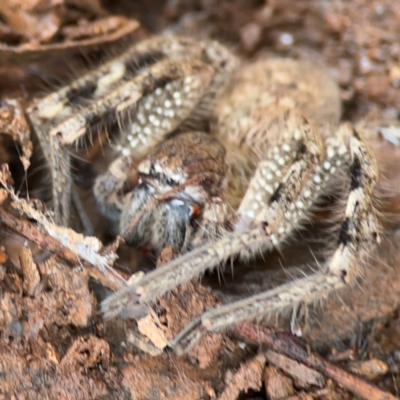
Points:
x=216, y=160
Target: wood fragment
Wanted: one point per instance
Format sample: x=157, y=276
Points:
x=29, y=271
x=99, y=27
x=150, y=327
x=248, y=376
x=14, y=124
x=290, y=346
x=30, y=231
x=33, y=233
x=369, y=369
x=26, y=53
x=303, y=376
x=277, y=385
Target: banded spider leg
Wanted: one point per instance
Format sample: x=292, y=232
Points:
x=156, y=87
x=357, y=237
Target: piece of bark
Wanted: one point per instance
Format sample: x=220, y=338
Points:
x=292, y=347
x=369, y=369
x=277, y=385
x=29, y=271
x=304, y=377
x=248, y=376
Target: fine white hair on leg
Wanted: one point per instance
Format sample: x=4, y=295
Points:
x=358, y=235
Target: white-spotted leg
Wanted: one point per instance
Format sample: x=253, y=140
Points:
x=357, y=236
x=148, y=92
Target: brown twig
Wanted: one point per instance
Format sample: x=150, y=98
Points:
x=25, y=53
x=289, y=345
x=32, y=232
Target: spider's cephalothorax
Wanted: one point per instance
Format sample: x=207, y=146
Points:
x=273, y=147
x=190, y=170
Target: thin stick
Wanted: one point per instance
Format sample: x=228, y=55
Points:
x=32, y=232
x=289, y=345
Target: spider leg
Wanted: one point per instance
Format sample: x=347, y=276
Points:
x=264, y=187
x=147, y=92
x=145, y=130
x=215, y=222
x=109, y=187
x=263, y=232
x=60, y=160
x=68, y=100
x=357, y=236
